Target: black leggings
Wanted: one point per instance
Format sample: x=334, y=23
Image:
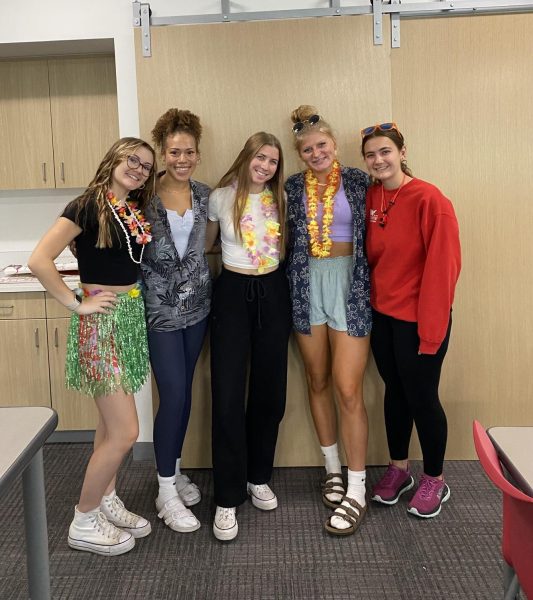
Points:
x=250, y=322
x=411, y=390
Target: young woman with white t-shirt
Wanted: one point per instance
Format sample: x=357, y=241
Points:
x=250, y=325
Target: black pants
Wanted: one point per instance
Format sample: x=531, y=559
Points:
x=250, y=322
x=411, y=390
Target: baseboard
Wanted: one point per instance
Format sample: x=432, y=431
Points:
x=143, y=451
x=71, y=437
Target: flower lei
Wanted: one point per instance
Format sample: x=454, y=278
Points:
x=321, y=249
x=269, y=256
x=139, y=228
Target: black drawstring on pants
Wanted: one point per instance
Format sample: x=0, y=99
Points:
x=255, y=290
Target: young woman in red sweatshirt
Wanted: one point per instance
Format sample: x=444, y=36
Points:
x=414, y=257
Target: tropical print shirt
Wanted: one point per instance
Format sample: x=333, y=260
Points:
x=358, y=311
x=177, y=291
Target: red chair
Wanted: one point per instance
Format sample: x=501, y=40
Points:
x=517, y=536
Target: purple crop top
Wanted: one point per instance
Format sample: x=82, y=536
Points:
x=342, y=226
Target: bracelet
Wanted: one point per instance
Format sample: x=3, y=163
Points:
x=73, y=306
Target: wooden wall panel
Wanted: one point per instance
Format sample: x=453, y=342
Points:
x=246, y=77
x=467, y=123
x=460, y=89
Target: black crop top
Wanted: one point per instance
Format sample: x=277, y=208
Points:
x=108, y=266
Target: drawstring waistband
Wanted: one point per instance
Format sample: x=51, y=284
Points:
x=255, y=290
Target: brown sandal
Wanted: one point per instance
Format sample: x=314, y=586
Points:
x=354, y=518
x=329, y=486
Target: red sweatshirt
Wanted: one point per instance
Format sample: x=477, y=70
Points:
x=415, y=259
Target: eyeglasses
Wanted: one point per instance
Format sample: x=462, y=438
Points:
x=381, y=127
x=134, y=162
x=299, y=125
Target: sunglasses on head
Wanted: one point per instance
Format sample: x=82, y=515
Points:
x=299, y=125
x=379, y=127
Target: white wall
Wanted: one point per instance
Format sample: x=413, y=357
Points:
x=30, y=213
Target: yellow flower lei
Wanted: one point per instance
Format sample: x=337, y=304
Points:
x=321, y=249
x=269, y=256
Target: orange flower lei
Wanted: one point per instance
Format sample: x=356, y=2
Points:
x=321, y=249
x=138, y=226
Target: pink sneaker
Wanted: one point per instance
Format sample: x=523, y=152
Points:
x=392, y=485
x=429, y=496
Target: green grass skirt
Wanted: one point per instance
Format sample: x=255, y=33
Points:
x=108, y=352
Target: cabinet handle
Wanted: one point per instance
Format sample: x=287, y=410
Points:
x=44, y=172
x=62, y=171
x=8, y=307
x=56, y=338
x=36, y=338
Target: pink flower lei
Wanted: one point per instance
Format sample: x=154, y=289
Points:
x=128, y=215
x=268, y=256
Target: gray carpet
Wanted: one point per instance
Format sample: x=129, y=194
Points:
x=281, y=555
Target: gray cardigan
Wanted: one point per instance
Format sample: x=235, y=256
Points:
x=177, y=291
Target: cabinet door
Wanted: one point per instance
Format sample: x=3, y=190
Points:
x=24, y=363
x=26, y=155
x=83, y=98
x=75, y=410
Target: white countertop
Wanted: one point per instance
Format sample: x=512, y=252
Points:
x=27, y=282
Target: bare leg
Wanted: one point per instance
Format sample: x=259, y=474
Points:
x=115, y=435
x=349, y=358
x=315, y=353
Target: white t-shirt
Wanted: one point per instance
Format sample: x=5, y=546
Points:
x=221, y=209
x=181, y=227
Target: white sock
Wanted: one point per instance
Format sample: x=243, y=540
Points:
x=167, y=488
x=356, y=490
x=331, y=456
x=178, y=464
x=356, y=486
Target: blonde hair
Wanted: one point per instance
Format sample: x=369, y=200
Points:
x=239, y=174
x=101, y=183
x=176, y=121
x=301, y=115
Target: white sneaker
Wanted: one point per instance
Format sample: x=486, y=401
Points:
x=176, y=516
x=225, y=525
x=92, y=532
x=116, y=513
x=188, y=491
x=262, y=496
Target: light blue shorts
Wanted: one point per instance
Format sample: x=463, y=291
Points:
x=329, y=284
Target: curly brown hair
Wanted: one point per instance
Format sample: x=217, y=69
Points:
x=176, y=121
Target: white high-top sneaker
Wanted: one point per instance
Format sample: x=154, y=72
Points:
x=92, y=532
x=116, y=513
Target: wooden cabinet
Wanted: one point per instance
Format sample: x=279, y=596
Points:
x=33, y=330
x=75, y=410
x=23, y=350
x=26, y=153
x=58, y=117
x=83, y=102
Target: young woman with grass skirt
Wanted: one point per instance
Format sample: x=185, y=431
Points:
x=107, y=354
